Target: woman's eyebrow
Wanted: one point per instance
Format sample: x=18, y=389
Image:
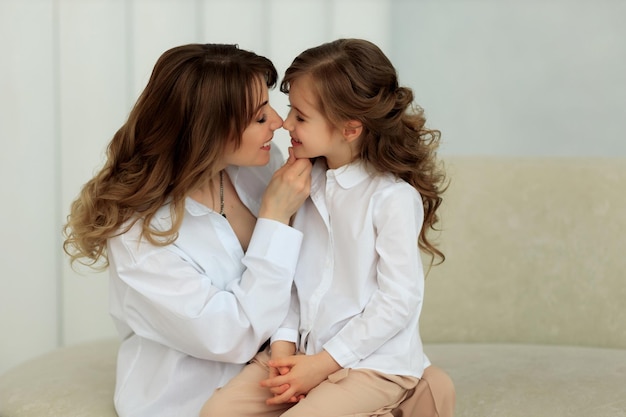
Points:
x=260, y=106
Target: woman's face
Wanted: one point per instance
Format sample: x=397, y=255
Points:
x=256, y=138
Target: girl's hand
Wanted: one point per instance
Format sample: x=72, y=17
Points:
x=305, y=373
x=288, y=189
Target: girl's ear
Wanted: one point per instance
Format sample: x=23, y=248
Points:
x=352, y=130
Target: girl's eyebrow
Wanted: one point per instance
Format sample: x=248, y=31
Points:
x=298, y=110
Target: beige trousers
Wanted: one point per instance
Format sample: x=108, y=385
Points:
x=434, y=396
x=348, y=392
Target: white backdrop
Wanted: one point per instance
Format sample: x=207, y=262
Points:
x=497, y=77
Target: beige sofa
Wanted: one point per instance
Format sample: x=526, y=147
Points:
x=527, y=314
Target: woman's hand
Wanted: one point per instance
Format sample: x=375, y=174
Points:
x=288, y=189
x=305, y=373
x=280, y=349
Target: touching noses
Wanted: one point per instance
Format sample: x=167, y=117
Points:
x=288, y=123
x=276, y=120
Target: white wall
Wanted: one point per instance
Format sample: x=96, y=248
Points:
x=517, y=77
x=497, y=77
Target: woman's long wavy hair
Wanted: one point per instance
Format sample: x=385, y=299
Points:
x=198, y=100
x=354, y=80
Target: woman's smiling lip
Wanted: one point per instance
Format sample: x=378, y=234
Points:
x=267, y=145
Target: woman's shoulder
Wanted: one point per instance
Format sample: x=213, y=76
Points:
x=131, y=248
x=131, y=232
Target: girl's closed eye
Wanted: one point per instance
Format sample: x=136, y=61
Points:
x=296, y=114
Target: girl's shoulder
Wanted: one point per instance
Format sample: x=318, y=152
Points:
x=392, y=183
x=394, y=190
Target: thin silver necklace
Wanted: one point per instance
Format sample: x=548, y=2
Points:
x=222, y=194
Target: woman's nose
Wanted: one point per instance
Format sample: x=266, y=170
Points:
x=287, y=123
x=277, y=121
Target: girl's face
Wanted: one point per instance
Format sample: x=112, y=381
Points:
x=256, y=138
x=312, y=135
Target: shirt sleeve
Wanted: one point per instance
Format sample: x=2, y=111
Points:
x=166, y=299
x=288, y=331
x=398, y=217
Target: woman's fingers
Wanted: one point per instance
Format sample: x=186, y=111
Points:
x=287, y=191
x=292, y=156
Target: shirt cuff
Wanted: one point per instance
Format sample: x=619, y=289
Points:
x=288, y=335
x=341, y=353
x=275, y=242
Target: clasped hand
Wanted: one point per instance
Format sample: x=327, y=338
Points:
x=292, y=377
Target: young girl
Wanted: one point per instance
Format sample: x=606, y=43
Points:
x=351, y=344
x=201, y=259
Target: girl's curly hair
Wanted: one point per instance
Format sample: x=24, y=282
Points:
x=354, y=80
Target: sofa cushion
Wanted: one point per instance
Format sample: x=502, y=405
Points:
x=491, y=380
x=517, y=380
x=534, y=253
x=76, y=381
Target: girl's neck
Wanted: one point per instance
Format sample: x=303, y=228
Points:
x=345, y=158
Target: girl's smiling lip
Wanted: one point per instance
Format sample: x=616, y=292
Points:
x=295, y=142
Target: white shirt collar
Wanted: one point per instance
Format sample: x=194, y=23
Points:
x=195, y=208
x=347, y=176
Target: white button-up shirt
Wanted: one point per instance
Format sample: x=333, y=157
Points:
x=359, y=279
x=193, y=312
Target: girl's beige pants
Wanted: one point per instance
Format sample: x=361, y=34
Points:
x=346, y=393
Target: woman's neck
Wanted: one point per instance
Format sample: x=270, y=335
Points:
x=209, y=193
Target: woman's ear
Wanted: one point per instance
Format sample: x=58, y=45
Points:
x=352, y=130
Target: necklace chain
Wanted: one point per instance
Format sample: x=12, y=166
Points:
x=222, y=194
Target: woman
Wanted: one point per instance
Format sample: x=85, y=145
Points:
x=190, y=213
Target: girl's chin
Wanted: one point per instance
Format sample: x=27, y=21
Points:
x=299, y=153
